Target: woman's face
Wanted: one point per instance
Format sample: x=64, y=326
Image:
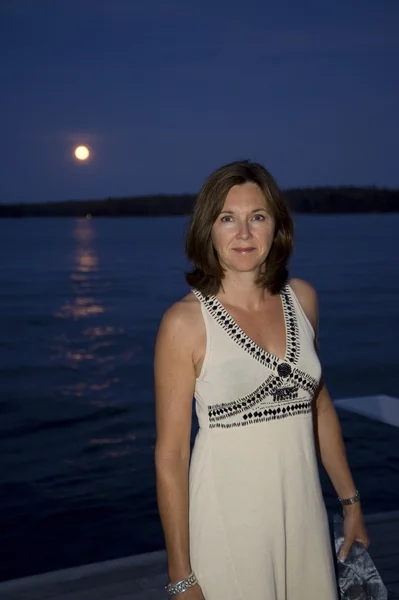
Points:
x=243, y=233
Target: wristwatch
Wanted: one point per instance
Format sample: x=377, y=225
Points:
x=353, y=500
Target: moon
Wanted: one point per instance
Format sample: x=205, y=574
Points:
x=82, y=153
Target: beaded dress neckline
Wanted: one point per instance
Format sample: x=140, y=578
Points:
x=282, y=365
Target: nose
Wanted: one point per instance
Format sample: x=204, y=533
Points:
x=243, y=232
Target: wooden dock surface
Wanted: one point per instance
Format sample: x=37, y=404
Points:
x=143, y=577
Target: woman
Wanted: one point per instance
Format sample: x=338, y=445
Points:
x=247, y=520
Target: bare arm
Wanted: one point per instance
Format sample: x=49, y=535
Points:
x=328, y=429
x=330, y=441
x=174, y=388
x=331, y=445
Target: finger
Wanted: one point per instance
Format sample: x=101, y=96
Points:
x=364, y=540
x=343, y=552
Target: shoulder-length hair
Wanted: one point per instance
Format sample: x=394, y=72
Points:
x=207, y=273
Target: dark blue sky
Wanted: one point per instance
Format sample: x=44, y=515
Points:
x=164, y=91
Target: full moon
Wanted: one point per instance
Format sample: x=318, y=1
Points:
x=82, y=152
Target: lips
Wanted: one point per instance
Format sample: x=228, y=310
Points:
x=244, y=250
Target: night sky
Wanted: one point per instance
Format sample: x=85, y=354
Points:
x=164, y=91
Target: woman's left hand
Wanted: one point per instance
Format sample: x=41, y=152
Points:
x=354, y=529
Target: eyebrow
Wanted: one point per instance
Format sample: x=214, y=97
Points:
x=255, y=210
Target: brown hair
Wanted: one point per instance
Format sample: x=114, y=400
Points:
x=208, y=273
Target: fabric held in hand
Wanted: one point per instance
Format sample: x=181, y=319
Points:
x=358, y=578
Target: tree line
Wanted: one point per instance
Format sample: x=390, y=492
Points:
x=321, y=200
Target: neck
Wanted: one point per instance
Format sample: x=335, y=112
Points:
x=241, y=290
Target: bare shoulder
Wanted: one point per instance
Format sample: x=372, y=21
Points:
x=303, y=289
x=307, y=297
x=181, y=319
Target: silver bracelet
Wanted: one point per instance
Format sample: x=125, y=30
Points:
x=173, y=589
x=353, y=500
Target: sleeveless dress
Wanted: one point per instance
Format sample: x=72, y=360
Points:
x=257, y=520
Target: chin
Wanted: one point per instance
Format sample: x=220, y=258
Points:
x=245, y=267
x=243, y=264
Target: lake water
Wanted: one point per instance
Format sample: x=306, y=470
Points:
x=80, y=303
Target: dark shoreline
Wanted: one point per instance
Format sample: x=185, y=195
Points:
x=328, y=200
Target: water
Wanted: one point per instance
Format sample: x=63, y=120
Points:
x=80, y=303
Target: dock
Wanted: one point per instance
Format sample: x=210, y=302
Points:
x=143, y=577
x=381, y=408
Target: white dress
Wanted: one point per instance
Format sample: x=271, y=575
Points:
x=258, y=524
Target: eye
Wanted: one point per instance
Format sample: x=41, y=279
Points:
x=226, y=219
x=259, y=217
